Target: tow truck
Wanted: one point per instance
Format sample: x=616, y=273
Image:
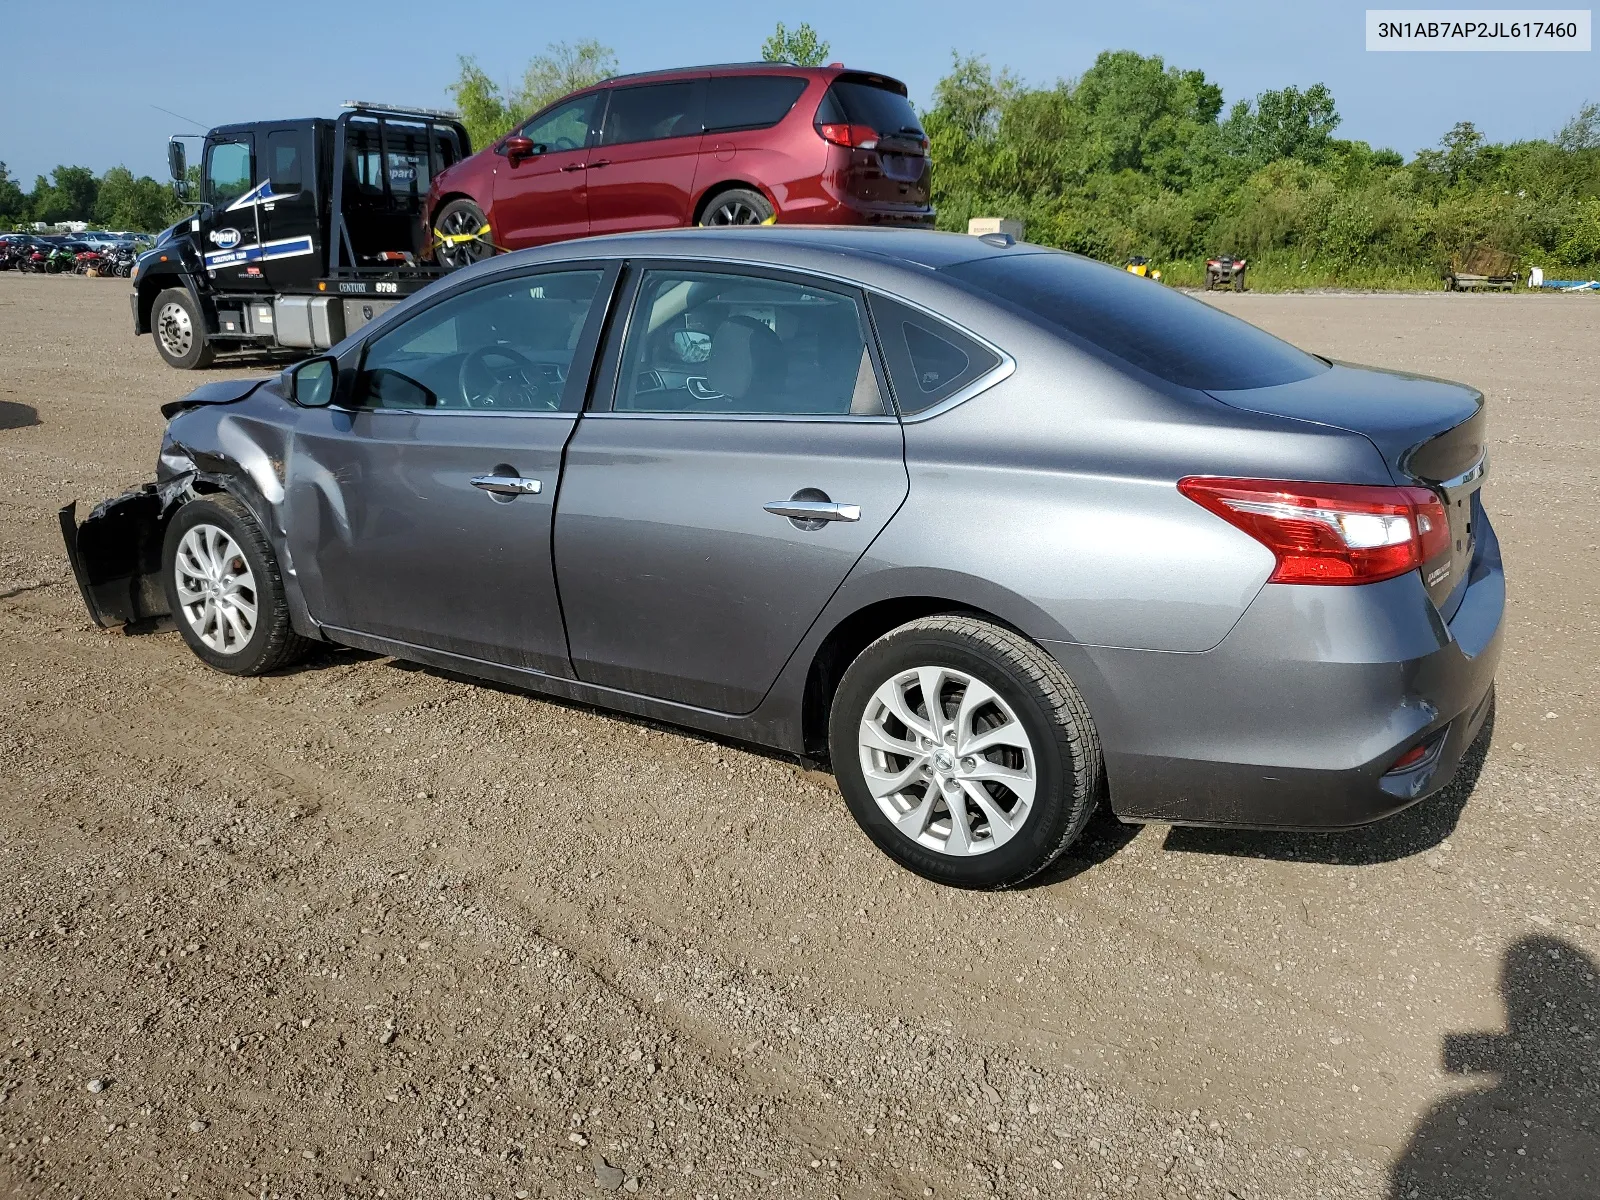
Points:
x=303, y=231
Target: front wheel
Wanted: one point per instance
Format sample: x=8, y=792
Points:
x=225, y=590
x=964, y=751
x=464, y=236
x=180, y=330
x=738, y=206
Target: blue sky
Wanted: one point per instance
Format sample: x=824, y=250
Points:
x=229, y=62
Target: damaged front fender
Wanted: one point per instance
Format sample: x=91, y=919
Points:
x=116, y=552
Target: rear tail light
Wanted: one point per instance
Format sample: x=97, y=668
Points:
x=857, y=137
x=1330, y=532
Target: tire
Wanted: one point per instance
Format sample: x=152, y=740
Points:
x=457, y=218
x=1238, y=282
x=229, y=536
x=1048, y=739
x=179, y=330
x=737, y=206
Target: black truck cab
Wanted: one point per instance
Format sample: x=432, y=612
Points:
x=303, y=231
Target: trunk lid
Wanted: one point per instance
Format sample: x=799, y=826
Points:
x=1430, y=433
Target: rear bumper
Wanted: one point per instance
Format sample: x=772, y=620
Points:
x=1294, y=720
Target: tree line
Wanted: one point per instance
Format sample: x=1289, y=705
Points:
x=1139, y=157
x=116, y=200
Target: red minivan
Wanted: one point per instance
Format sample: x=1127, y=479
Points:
x=746, y=144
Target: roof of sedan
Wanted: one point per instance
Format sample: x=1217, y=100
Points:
x=773, y=243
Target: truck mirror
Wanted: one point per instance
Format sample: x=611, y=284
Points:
x=311, y=382
x=177, y=161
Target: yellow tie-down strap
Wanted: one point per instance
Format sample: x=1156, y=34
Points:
x=461, y=239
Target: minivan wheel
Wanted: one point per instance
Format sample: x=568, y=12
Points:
x=964, y=751
x=462, y=219
x=224, y=588
x=179, y=330
x=737, y=206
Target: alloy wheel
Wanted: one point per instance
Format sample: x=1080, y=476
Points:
x=947, y=761
x=462, y=223
x=216, y=589
x=732, y=212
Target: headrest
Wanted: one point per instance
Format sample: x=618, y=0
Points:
x=746, y=359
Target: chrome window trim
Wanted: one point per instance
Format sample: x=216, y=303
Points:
x=778, y=418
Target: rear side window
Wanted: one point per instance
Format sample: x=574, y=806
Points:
x=650, y=113
x=929, y=361
x=749, y=101
x=1170, y=335
x=859, y=102
x=287, y=154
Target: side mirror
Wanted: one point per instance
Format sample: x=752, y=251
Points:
x=311, y=382
x=177, y=161
x=519, y=147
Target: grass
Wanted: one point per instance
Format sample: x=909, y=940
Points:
x=1278, y=273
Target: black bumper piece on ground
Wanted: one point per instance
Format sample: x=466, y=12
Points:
x=116, y=553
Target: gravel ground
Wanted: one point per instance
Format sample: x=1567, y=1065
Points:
x=364, y=929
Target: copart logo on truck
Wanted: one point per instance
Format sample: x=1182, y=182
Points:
x=226, y=238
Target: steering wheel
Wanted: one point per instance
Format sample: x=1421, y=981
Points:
x=564, y=143
x=514, y=386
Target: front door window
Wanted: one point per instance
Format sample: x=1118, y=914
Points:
x=227, y=172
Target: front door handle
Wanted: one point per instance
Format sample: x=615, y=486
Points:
x=574, y=166
x=507, y=485
x=814, y=510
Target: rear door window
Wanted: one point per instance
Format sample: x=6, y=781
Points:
x=725, y=344
x=929, y=361
x=651, y=112
x=1170, y=335
x=735, y=102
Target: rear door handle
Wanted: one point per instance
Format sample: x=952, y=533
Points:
x=507, y=485
x=814, y=510
x=601, y=162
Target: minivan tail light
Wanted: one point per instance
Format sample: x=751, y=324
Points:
x=857, y=137
x=1330, y=532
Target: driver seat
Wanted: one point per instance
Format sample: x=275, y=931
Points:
x=748, y=365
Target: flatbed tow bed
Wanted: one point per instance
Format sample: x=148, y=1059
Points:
x=305, y=230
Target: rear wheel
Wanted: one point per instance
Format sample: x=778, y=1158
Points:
x=464, y=235
x=738, y=206
x=224, y=588
x=963, y=750
x=180, y=330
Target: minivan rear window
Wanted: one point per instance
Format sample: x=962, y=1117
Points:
x=1144, y=323
x=857, y=102
x=749, y=101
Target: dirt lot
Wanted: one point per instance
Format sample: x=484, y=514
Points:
x=363, y=929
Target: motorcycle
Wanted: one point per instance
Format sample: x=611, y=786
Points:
x=90, y=260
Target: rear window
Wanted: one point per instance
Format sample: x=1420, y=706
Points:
x=1144, y=323
x=857, y=102
x=749, y=101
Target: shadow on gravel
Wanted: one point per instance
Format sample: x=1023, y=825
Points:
x=1420, y=827
x=17, y=416
x=1102, y=838
x=1531, y=1134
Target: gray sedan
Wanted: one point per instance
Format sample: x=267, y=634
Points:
x=997, y=531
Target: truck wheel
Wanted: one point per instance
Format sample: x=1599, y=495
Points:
x=225, y=590
x=737, y=206
x=462, y=219
x=180, y=330
x=963, y=750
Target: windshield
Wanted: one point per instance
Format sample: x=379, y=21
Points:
x=1142, y=322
